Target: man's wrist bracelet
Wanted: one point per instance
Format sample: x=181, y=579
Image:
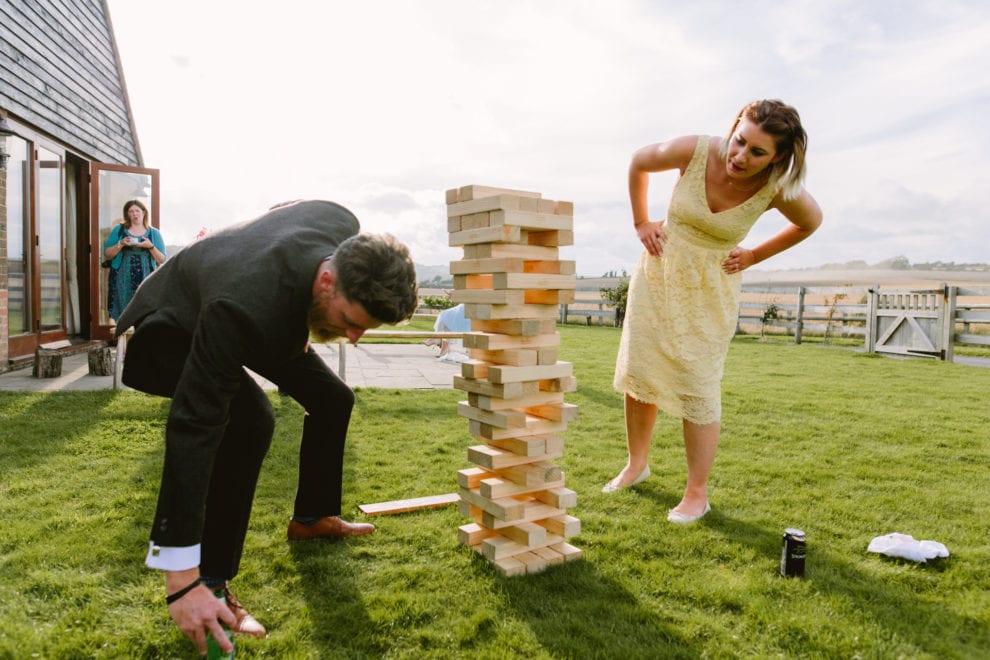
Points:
x=171, y=598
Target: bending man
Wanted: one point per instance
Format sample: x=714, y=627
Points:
x=252, y=296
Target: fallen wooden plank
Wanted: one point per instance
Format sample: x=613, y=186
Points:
x=401, y=506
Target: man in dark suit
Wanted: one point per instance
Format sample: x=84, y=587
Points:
x=252, y=296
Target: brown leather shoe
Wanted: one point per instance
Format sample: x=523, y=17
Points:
x=331, y=527
x=245, y=624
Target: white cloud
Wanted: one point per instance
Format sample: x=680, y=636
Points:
x=382, y=106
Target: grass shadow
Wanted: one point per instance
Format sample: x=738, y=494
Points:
x=574, y=611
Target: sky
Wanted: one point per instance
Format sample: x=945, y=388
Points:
x=382, y=106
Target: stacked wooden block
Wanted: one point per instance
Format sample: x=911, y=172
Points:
x=512, y=282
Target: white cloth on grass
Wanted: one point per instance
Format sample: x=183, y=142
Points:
x=905, y=546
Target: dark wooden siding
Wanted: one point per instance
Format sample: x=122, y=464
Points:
x=59, y=72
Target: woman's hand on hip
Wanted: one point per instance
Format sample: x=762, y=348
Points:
x=739, y=259
x=652, y=236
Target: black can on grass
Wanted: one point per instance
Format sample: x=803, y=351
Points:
x=792, y=555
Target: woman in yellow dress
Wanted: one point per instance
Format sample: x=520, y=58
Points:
x=683, y=299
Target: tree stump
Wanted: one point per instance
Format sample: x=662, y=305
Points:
x=47, y=363
x=100, y=361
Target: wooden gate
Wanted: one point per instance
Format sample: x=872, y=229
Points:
x=918, y=323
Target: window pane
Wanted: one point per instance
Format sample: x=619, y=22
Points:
x=18, y=242
x=50, y=238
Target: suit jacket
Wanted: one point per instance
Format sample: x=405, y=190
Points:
x=237, y=298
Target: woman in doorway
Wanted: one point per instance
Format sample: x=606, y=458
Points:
x=684, y=293
x=134, y=249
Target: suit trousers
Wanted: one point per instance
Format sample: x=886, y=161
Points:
x=153, y=363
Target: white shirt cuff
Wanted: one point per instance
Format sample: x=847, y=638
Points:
x=172, y=559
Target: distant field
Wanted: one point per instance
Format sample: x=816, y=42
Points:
x=588, y=287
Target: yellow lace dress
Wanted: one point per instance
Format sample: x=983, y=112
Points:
x=682, y=307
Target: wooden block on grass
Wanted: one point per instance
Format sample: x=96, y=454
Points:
x=413, y=504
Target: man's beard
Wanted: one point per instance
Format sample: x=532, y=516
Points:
x=316, y=319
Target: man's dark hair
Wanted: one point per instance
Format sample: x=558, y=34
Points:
x=376, y=271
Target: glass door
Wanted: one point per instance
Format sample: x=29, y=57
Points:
x=35, y=248
x=50, y=223
x=113, y=186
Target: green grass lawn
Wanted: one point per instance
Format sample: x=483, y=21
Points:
x=840, y=444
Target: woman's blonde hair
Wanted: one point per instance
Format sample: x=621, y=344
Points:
x=782, y=121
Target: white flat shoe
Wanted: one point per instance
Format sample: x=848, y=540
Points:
x=610, y=487
x=684, y=519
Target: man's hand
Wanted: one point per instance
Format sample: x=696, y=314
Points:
x=198, y=612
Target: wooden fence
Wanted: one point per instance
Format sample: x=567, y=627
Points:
x=844, y=311
x=919, y=322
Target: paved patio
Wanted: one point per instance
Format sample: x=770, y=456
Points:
x=401, y=366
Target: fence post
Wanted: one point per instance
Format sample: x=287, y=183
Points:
x=872, y=301
x=563, y=313
x=799, y=326
x=949, y=321
x=342, y=360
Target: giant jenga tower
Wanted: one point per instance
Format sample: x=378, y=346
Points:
x=512, y=282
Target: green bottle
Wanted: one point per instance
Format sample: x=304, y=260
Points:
x=213, y=650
